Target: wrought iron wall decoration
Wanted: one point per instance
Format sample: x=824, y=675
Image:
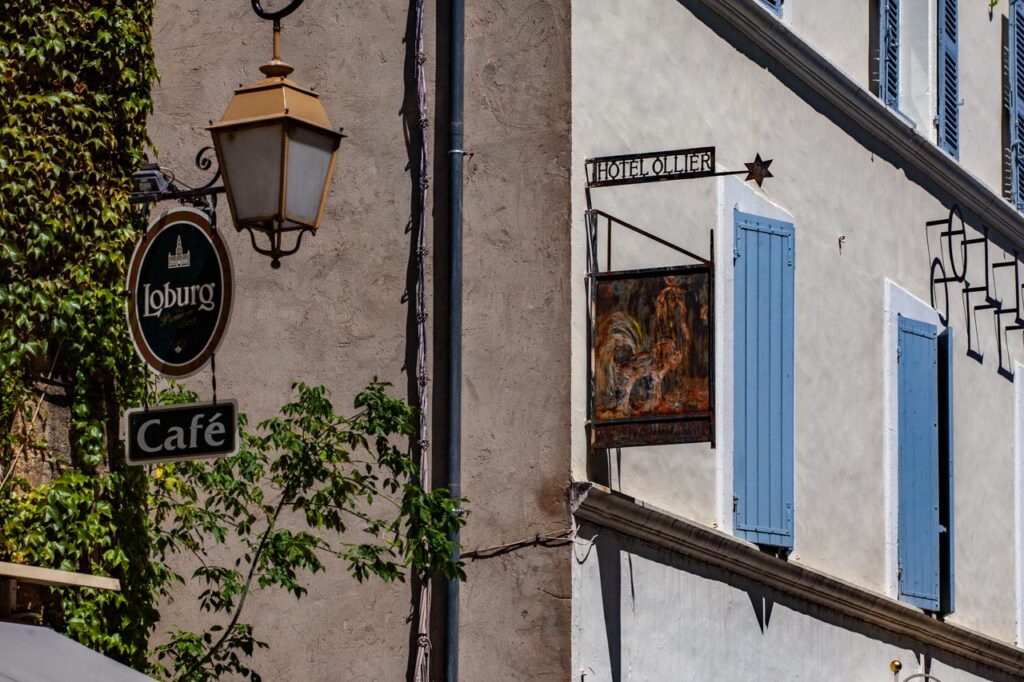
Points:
x=651, y=330
x=1007, y=315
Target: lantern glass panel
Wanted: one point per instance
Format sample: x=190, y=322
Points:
x=309, y=165
x=252, y=164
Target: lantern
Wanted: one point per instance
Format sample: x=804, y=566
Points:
x=276, y=149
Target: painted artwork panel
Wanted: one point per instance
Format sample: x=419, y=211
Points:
x=652, y=359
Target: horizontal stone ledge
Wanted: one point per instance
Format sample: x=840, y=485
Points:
x=598, y=505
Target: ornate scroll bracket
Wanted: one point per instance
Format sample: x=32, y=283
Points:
x=153, y=183
x=277, y=16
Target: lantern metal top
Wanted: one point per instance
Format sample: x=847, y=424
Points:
x=275, y=98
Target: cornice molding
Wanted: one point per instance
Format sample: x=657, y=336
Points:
x=866, y=111
x=625, y=515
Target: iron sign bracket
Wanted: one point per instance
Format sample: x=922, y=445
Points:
x=153, y=184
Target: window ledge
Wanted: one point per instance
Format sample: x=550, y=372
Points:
x=747, y=23
x=598, y=505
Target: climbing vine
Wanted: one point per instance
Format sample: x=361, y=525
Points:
x=74, y=95
x=75, y=81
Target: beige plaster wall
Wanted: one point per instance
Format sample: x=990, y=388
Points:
x=334, y=312
x=712, y=93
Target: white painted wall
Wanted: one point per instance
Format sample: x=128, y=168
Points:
x=649, y=75
x=839, y=30
x=671, y=619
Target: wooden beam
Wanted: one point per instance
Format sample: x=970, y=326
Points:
x=8, y=596
x=50, y=576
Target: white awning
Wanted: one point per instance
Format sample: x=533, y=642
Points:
x=29, y=653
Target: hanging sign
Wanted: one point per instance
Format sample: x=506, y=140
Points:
x=181, y=432
x=179, y=292
x=652, y=357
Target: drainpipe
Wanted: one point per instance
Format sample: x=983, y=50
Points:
x=456, y=155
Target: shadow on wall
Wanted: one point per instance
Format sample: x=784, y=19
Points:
x=615, y=555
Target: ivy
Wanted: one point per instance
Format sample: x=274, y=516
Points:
x=75, y=81
x=74, y=95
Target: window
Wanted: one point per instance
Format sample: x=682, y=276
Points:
x=926, y=94
x=925, y=458
x=774, y=5
x=763, y=505
x=1015, y=103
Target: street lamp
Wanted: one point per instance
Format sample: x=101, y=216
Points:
x=276, y=151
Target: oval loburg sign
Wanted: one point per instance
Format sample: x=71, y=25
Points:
x=180, y=290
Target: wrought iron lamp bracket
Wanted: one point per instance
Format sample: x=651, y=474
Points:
x=168, y=188
x=278, y=15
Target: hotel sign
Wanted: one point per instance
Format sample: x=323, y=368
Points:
x=631, y=169
x=179, y=292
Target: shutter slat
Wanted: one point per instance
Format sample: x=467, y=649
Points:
x=889, y=53
x=918, y=470
x=763, y=362
x=949, y=80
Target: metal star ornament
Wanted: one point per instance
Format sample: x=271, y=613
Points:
x=757, y=170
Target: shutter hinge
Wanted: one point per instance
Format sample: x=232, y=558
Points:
x=735, y=503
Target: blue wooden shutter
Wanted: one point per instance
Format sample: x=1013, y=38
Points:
x=1016, y=102
x=763, y=365
x=889, y=52
x=918, y=541
x=946, y=563
x=948, y=118
x=773, y=5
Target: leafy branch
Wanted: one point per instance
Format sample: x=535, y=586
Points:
x=328, y=472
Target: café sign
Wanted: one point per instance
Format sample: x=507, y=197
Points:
x=179, y=292
x=181, y=432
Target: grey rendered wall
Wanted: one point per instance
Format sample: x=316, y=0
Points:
x=334, y=313
x=655, y=76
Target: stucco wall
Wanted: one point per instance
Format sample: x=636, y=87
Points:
x=840, y=31
x=334, y=313
x=655, y=76
x=646, y=614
